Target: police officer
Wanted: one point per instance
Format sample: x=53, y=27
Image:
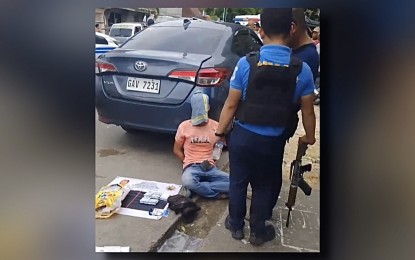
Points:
x=303, y=46
x=264, y=88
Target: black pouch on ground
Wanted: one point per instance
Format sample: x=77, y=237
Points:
x=182, y=205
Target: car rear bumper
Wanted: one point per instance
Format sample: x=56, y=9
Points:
x=155, y=118
x=146, y=116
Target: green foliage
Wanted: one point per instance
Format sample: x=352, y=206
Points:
x=312, y=13
x=231, y=12
x=245, y=11
x=214, y=17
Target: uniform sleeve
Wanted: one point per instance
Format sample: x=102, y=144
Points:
x=238, y=74
x=180, y=137
x=306, y=81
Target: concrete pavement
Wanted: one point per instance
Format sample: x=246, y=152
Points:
x=149, y=156
x=303, y=234
x=144, y=156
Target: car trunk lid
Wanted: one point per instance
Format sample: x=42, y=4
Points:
x=144, y=75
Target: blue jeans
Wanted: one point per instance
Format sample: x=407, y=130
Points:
x=208, y=184
x=257, y=160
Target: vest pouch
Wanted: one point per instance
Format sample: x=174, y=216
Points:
x=291, y=126
x=269, y=94
x=258, y=114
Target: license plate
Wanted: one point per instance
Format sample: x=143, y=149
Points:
x=143, y=85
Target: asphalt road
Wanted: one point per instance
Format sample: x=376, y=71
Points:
x=144, y=156
x=147, y=156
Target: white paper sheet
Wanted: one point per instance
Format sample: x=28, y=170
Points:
x=167, y=189
x=112, y=249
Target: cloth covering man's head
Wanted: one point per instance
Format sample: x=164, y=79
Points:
x=200, y=108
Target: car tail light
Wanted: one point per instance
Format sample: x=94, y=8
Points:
x=183, y=74
x=103, y=67
x=212, y=76
x=205, y=77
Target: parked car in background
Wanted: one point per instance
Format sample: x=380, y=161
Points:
x=104, y=43
x=243, y=19
x=123, y=31
x=147, y=83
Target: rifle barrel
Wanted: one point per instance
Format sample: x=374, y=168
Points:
x=296, y=179
x=288, y=218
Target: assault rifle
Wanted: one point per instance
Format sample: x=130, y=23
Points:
x=296, y=175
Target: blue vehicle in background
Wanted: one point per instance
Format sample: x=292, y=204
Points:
x=148, y=81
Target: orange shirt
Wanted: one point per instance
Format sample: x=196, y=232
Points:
x=197, y=141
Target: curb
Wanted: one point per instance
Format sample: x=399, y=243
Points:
x=177, y=222
x=166, y=235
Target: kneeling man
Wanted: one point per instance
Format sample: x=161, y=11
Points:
x=193, y=146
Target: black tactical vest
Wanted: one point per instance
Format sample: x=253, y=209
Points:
x=270, y=92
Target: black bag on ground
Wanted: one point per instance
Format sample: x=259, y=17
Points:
x=180, y=204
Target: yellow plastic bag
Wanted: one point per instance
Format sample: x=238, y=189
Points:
x=108, y=199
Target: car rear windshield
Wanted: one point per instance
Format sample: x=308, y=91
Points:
x=120, y=32
x=176, y=39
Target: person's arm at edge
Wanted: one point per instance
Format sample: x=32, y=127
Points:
x=307, y=104
x=179, y=139
x=309, y=119
x=228, y=110
x=178, y=150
